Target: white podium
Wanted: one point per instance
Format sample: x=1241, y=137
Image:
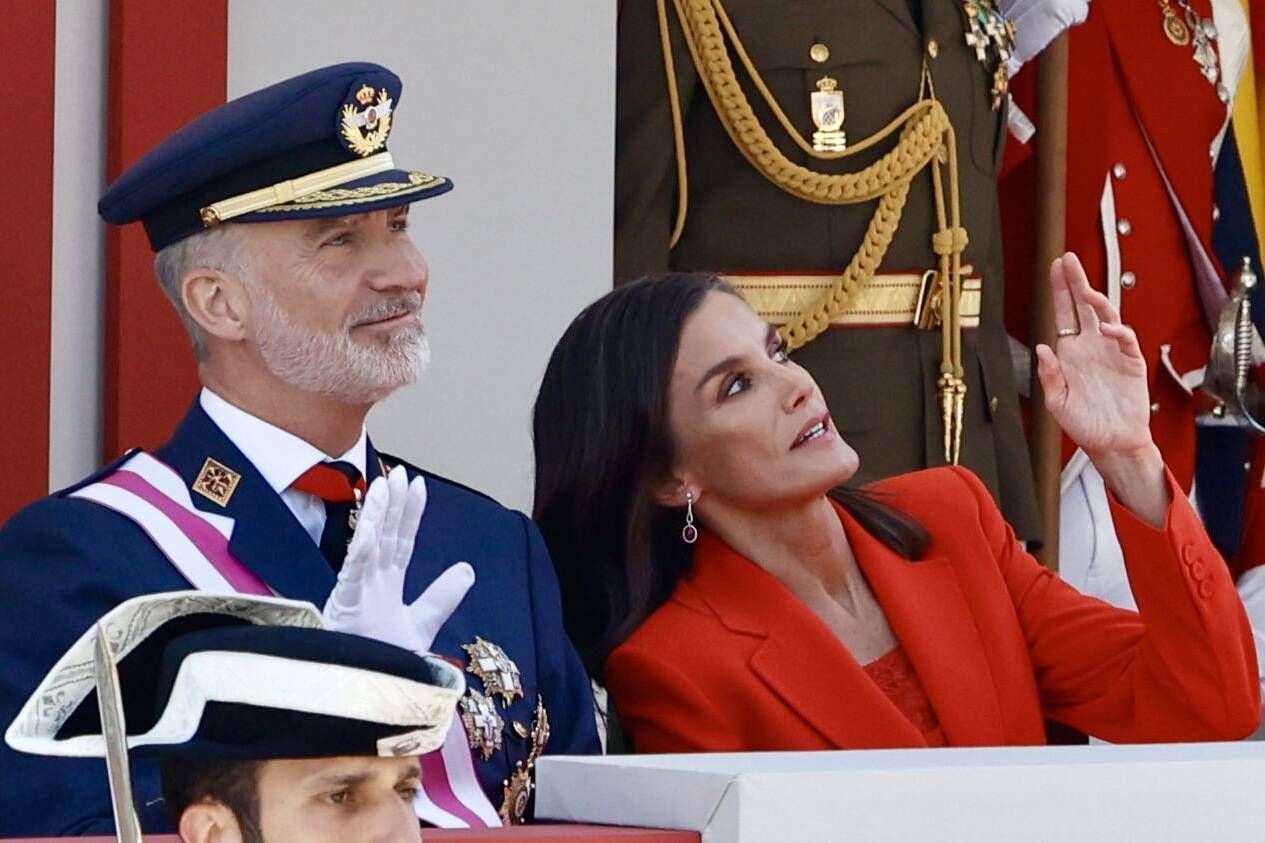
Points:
x=1177, y=792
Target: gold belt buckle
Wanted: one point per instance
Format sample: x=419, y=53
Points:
x=927, y=311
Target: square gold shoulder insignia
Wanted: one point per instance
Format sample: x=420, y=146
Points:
x=216, y=482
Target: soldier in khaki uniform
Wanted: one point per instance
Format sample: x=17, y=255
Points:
x=763, y=168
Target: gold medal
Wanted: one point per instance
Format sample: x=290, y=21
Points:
x=515, y=795
x=484, y=725
x=495, y=669
x=1202, y=33
x=1175, y=28
x=518, y=788
x=992, y=37
x=828, y=115
x=540, y=732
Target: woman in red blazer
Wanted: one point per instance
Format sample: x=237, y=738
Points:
x=902, y=615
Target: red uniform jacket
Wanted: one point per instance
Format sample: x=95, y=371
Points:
x=1141, y=123
x=735, y=662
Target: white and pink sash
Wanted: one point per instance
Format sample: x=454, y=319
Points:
x=154, y=496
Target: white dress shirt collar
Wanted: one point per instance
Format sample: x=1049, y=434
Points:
x=278, y=455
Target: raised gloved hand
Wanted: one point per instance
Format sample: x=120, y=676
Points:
x=368, y=599
x=1037, y=23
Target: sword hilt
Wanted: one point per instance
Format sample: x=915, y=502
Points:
x=1243, y=333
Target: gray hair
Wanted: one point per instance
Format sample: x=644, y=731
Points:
x=215, y=248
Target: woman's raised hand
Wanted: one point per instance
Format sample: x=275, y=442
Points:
x=1095, y=378
x=1095, y=387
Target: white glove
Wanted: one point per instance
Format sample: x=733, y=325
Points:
x=1037, y=23
x=368, y=599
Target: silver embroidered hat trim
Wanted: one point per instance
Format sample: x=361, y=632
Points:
x=312, y=687
x=71, y=680
x=425, y=709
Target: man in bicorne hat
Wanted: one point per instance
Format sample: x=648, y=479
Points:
x=267, y=727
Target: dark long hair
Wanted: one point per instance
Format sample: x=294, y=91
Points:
x=603, y=446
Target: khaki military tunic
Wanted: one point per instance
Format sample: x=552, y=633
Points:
x=879, y=382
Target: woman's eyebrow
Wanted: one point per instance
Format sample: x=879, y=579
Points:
x=733, y=360
x=722, y=366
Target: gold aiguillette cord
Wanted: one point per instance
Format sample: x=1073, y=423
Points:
x=925, y=137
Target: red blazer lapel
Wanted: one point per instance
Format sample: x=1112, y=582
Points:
x=800, y=660
x=811, y=670
x=929, y=613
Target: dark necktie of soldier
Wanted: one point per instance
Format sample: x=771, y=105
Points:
x=342, y=487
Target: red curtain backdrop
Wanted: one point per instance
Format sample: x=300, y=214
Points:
x=26, y=247
x=168, y=64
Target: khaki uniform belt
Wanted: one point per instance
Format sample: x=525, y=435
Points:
x=886, y=300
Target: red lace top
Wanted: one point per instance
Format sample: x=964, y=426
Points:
x=894, y=674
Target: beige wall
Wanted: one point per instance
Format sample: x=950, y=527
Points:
x=518, y=109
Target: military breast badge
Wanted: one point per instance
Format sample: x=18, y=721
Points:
x=1203, y=32
x=216, y=482
x=495, y=670
x=483, y=723
x=365, y=121
x=540, y=731
x=518, y=788
x=992, y=37
x=516, y=794
x=828, y=115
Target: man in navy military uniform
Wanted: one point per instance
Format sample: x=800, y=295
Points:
x=280, y=226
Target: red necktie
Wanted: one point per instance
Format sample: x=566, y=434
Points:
x=342, y=487
x=332, y=482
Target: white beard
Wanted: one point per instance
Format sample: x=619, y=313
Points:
x=336, y=364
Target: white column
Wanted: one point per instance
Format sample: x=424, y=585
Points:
x=78, y=300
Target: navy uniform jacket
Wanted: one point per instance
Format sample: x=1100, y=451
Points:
x=65, y=561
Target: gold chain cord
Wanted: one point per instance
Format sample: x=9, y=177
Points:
x=926, y=138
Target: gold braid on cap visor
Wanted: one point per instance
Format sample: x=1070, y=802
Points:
x=284, y=192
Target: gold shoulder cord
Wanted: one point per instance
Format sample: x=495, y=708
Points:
x=926, y=137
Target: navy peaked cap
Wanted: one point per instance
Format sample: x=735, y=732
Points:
x=311, y=146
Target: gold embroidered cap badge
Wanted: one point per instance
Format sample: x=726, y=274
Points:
x=364, y=129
